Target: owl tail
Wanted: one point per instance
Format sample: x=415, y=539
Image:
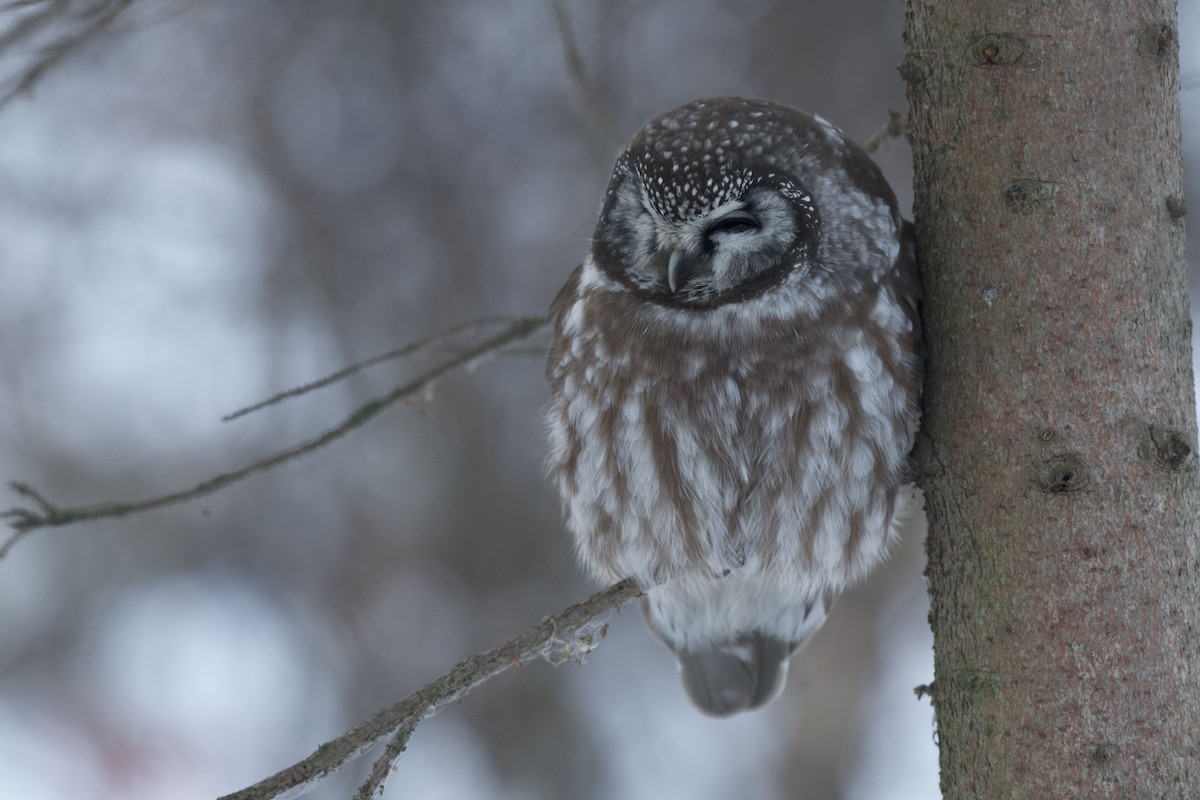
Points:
x=735, y=675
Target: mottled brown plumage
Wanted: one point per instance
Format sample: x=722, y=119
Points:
x=735, y=383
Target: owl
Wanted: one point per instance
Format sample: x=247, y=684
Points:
x=734, y=385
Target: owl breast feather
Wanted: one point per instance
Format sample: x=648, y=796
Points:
x=743, y=440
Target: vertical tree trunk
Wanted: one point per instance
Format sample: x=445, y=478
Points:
x=1057, y=455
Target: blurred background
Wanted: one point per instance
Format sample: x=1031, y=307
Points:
x=211, y=201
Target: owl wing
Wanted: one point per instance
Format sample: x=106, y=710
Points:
x=562, y=301
x=907, y=272
x=908, y=280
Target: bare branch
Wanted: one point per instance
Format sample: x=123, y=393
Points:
x=894, y=128
x=566, y=636
x=50, y=515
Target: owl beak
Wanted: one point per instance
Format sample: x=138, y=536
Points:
x=682, y=267
x=673, y=270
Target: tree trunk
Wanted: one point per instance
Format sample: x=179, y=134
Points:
x=1057, y=455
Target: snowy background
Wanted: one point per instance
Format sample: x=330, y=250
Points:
x=215, y=200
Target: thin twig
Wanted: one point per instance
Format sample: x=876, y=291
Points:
x=894, y=128
x=11, y=4
x=400, y=352
x=373, y=786
x=600, y=122
x=569, y=628
x=102, y=15
x=28, y=26
x=49, y=515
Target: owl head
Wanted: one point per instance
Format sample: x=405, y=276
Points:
x=721, y=200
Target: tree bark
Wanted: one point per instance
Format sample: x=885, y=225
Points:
x=1057, y=455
